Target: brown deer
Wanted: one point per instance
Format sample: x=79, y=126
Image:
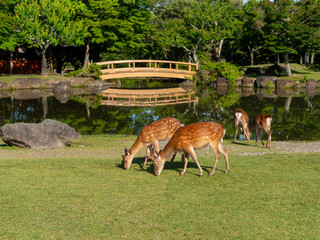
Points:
x=189, y=138
x=260, y=123
x=151, y=134
x=241, y=119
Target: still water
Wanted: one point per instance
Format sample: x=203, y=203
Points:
x=295, y=117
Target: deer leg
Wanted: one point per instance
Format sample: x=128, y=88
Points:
x=235, y=137
x=217, y=155
x=269, y=135
x=246, y=131
x=186, y=159
x=171, y=162
x=223, y=150
x=261, y=135
x=194, y=156
x=269, y=139
x=146, y=157
x=257, y=133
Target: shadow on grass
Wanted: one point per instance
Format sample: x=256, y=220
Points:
x=241, y=143
x=176, y=166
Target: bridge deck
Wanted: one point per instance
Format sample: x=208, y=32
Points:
x=147, y=68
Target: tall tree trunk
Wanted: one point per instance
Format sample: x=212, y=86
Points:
x=287, y=65
x=86, y=56
x=306, y=59
x=11, y=62
x=216, y=47
x=44, y=62
x=251, y=58
x=301, y=59
x=276, y=59
x=312, y=58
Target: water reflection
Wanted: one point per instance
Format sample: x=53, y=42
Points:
x=295, y=116
x=147, y=97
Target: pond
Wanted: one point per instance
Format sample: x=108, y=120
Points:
x=295, y=117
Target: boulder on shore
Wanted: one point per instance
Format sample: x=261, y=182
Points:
x=47, y=134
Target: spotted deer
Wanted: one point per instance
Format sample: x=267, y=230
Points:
x=260, y=123
x=189, y=138
x=241, y=119
x=151, y=134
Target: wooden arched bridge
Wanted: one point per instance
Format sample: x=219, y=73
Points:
x=147, y=68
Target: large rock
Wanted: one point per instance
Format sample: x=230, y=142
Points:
x=47, y=134
x=222, y=82
x=27, y=83
x=247, y=82
x=4, y=85
x=274, y=70
x=63, y=91
x=284, y=83
x=311, y=83
x=262, y=81
x=253, y=71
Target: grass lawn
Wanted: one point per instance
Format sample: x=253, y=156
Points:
x=298, y=71
x=82, y=192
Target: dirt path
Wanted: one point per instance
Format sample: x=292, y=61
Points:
x=114, y=152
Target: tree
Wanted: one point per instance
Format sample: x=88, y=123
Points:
x=252, y=31
x=45, y=23
x=307, y=31
x=100, y=17
x=279, y=29
x=7, y=35
x=197, y=23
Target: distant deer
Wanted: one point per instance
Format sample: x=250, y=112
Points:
x=189, y=138
x=260, y=123
x=241, y=119
x=151, y=134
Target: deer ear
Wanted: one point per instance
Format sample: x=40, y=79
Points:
x=127, y=152
x=156, y=154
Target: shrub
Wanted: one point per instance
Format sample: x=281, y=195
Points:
x=93, y=70
x=303, y=80
x=270, y=84
x=222, y=69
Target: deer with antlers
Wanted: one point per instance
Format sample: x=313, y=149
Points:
x=260, y=123
x=151, y=134
x=189, y=138
x=241, y=119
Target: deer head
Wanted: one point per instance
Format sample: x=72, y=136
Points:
x=127, y=159
x=158, y=164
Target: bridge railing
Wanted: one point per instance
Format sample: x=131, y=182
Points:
x=155, y=64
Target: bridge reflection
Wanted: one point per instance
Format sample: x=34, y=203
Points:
x=147, y=97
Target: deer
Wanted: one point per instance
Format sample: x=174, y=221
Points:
x=151, y=134
x=189, y=138
x=262, y=122
x=241, y=119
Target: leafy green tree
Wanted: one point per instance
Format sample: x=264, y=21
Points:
x=307, y=31
x=101, y=18
x=7, y=34
x=45, y=23
x=195, y=24
x=252, y=31
x=279, y=29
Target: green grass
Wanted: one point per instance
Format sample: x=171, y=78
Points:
x=298, y=71
x=82, y=192
x=11, y=78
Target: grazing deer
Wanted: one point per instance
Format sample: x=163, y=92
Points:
x=189, y=138
x=241, y=119
x=260, y=123
x=151, y=135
